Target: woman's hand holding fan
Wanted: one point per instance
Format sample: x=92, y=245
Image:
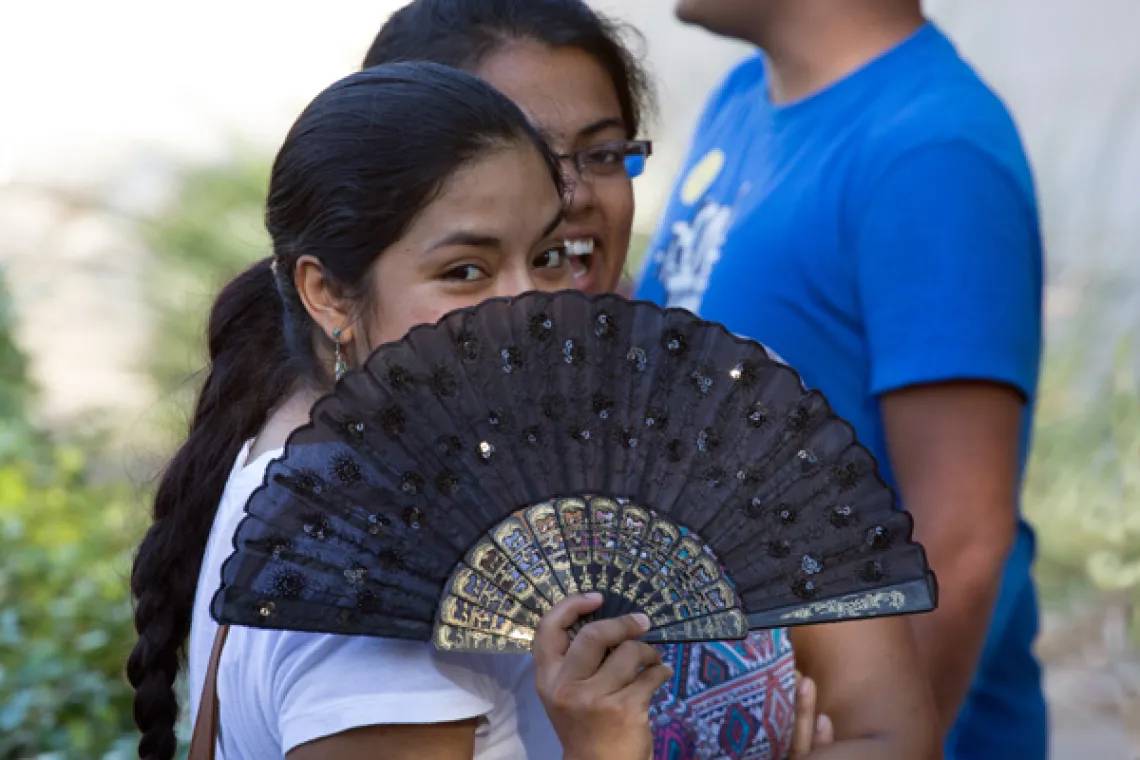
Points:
x=597, y=685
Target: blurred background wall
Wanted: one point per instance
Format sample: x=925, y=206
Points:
x=134, y=140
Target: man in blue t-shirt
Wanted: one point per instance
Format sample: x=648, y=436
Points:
x=857, y=199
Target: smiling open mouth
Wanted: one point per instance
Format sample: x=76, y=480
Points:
x=581, y=253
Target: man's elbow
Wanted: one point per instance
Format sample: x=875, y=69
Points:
x=976, y=559
x=971, y=552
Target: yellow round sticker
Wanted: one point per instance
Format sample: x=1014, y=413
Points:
x=701, y=176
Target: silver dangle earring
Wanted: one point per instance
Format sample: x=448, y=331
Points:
x=341, y=365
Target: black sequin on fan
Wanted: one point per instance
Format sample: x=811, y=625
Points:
x=447, y=483
x=707, y=441
x=512, y=359
x=412, y=483
x=804, y=588
x=308, y=483
x=714, y=477
x=497, y=418
x=378, y=524
x=798, y=419
x=785, y=514
x=572, y=353
x=414, y=517
x=532, y=435
x=353, y=430
x=345, y=469
x=811, y=565
x=605, y=326
x=400, y=378
x=758, y=415
x=486, y=451
x=749, y=475
x=879, y=538
x=754, y=508
x=448, y=445
x=655, y=419
x=744, y=374
x=316, y=525
x=355, y=573
x=807, y=459
x=288, y=584
x=580, y=433
x=872, y=571
x=444, y=383
x=392, y=421
x=468, y=346
x=277, y=545
x=637, y=359
x=367, y=600
x=846, y=476
x=627, y=437
x=675, y=450
x=842, y=515
x=603, y=405
x=702, y=380
x=779, y=548
x=541, y=326
x=675, y=343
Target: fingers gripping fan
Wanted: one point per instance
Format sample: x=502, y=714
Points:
x=470, y=476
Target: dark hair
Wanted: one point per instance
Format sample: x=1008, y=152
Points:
x=462, y=33
x=361, y=162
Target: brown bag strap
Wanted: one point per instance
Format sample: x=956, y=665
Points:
x=204, y=740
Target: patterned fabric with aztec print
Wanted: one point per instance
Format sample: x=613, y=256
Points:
x=730, y=700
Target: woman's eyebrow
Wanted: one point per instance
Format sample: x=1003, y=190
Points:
x=591, y=129
x=468, y=238
x=600, y=125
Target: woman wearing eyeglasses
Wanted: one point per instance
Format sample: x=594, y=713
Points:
x=568, y=70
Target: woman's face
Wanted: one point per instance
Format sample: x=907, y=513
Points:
x=493, y=230
x=571, y=98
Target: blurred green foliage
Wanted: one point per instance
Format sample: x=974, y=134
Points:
x=65, y=617
x=1083, y=485
x=211, y=230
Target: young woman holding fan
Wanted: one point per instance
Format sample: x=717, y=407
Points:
x=402, y=193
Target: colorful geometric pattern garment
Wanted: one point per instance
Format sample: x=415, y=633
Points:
x=730, y=700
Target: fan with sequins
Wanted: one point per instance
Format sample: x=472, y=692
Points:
x=471, y=475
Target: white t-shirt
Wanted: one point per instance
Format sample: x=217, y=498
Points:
x=281, y=689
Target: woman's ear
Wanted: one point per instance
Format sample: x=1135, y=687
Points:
x=322, y=298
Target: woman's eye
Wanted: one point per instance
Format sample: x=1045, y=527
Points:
x=605, y=157
x=464, y=273
x=551, y=258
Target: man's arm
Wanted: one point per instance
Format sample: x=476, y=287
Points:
x=954, y=450
x=950, y=280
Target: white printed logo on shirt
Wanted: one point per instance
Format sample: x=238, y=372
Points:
x=685, y=265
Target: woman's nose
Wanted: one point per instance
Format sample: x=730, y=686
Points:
x=580, y=194
x=515, y=280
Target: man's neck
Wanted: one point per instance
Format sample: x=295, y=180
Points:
x=816, y=46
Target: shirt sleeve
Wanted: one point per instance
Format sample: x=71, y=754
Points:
x=949, y=271
x=325, y=684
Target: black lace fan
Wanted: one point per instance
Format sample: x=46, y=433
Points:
x=476, y=472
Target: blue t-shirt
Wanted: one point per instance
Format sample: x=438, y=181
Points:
x=878, y=234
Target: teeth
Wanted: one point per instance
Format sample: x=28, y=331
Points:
x=581, y=247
